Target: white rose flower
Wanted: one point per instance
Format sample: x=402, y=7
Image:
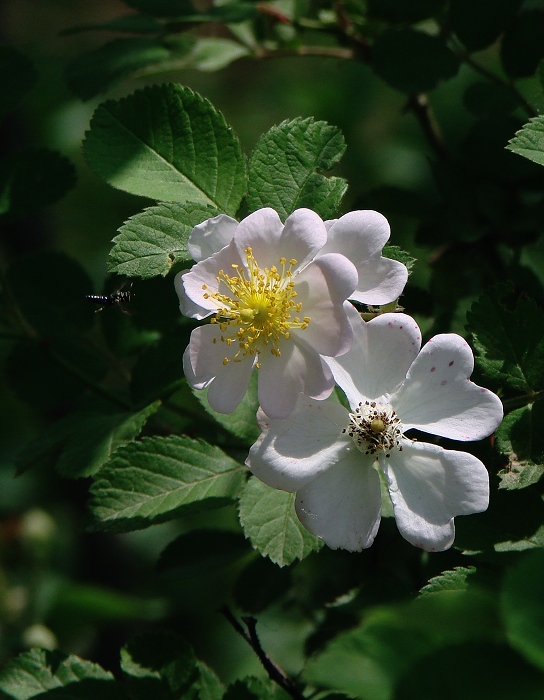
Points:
x=330, y=456
x=275, y=306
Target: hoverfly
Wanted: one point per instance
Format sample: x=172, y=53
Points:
x=118, y=298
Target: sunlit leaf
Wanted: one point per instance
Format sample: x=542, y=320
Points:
x=149, y=243
x=455, y=580
x=158, y=479
x=270, y=523
x=168, y=143
x=285, y=169
x=33, y=672
x=529, y=141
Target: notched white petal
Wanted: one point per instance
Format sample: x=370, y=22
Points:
x=210, y=236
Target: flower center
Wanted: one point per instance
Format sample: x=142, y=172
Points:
x=374, y=428
x=260, y=309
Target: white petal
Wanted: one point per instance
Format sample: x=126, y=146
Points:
x=343, y=504
x=299, y=369
x=383, y=349
x=429, y=486
x=201, y=280
x=186, y=305
x=438, y=397
x=300, y=239
x=321, y=288
x=290, y=453
x=359, y=235
x=204, y=367
x=210, y=236
x=381, y=281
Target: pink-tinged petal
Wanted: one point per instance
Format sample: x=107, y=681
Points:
x=359, y=235
x=210, y=236
x=290, y=453
x=186, y=305
x=204, y=367
x=438, y=397
x=202, y=279
x=381, y=281
x=298, y=369
x=300, y=239
x=342, y=505
x=321, y=288
x=383, y=350
x=429, y=486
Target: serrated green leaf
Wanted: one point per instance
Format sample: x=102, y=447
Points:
x=509, y=344
x=285, y=169
x=413, y=61
x=33, y=672
x=168, y=143
x=92, y=73
x=251, y=689
x=33, y=179
x=202, y=550
x=149, y=243
x=455, y=580
x=536, y=540
x=270, y=523
x=520, y=437
x=159, y=665
x=18, y=76
x=96, y=436
x=207, y=686
x=158, y=479
x=529, y=141
x=242, y=422
x=396, y=253
x=523, y=607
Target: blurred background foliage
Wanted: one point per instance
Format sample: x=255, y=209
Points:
x=468, y=210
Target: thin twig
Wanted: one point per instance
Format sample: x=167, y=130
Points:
x=419, y=105
x=274, y=672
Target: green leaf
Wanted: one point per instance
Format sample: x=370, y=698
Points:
x=95, y=437
x=478, y=23
x=522, y=606
x=158, y=479
x=149, y=243
x=529, y=141
x=520, y=436
x=242, y=422
x=251, y=689
x=33, y=672
x=486, y=100
x=92, y=73
x=215, y=53
x=18, y=76
x=33, y=179
x=522, y=48
x=202, y=550
x=285, y=169
x=455, y=580
x=157, y=664
x=169, y=143
x=371, y=660
x=413, y=61
x=510, y=344
x=270, y=523
x=396, y=253
x=207, y=686
x=81, y=442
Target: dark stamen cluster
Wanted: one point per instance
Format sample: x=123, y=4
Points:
x=374, y=428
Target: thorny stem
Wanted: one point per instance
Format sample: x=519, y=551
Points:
x=274, y=672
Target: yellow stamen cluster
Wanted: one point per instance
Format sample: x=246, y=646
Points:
x=260, y=310
x=374, y=427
